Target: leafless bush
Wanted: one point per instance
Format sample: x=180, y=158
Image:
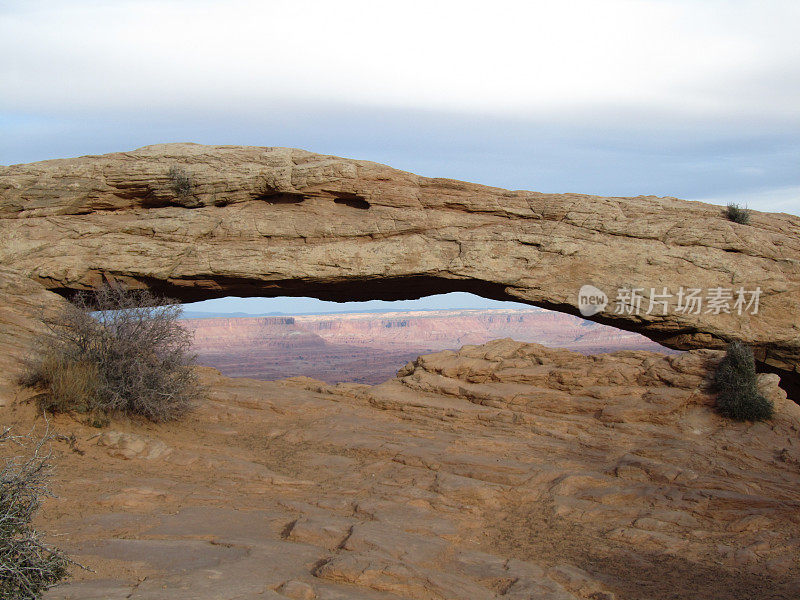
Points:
x=27, y=565
x=180, y=180
x=116, y=351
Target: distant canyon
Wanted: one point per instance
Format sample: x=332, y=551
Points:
x=371, y=347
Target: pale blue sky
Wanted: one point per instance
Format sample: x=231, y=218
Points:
x=697, y=100
x=312, y=305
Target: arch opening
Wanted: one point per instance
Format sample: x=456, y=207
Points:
x=413, y=287
x=368, y=342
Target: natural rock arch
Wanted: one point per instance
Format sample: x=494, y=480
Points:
x=199, y=222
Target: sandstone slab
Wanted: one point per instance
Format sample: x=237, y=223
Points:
x=412, y=490
x=263, y=221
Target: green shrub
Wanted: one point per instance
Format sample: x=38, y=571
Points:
x=181, y=182
x=737, y=214
x=116, y=351
x=735, y=383
x=27, y=565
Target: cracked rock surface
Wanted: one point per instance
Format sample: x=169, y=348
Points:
x=502, y=471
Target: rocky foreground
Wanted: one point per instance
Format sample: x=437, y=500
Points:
x=507, y=470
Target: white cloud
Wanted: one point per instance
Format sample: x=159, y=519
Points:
x=709, y=59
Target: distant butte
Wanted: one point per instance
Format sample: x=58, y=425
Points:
x=371, y=347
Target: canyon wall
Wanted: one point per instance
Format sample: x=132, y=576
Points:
x=371, y=348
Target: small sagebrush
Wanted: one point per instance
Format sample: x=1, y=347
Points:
x=28, y=566
x=70, y=385
x=115, y=351
x=737, y=214
x=736, y=385
x=181, y=182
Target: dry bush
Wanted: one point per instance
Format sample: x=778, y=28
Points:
x=737, y=214
x=69, y=385
x=116, y=351
x=180, y=180
x=735, y=382
x=27, y=565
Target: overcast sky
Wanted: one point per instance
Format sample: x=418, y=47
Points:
x=698, y=100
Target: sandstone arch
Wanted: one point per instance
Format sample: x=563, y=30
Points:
x=256, y=221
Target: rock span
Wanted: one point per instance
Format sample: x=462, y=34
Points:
x=201, y=222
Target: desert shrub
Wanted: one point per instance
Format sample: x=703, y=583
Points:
x=737, y=214
x=115, y=351
x=27, y=565
x=181, y=182
x=735, y=383
x=70, y=385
